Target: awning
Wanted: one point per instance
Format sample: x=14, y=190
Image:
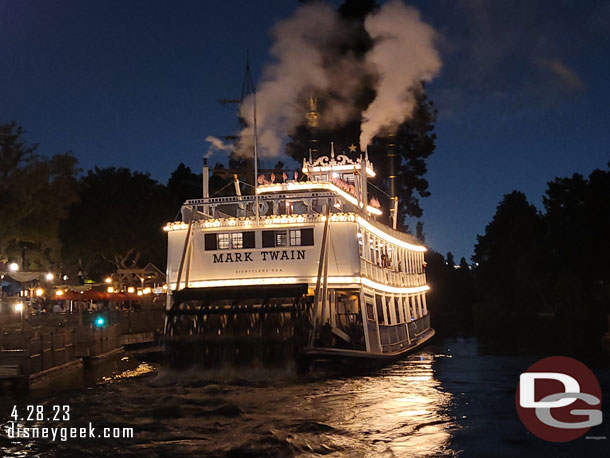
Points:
x=25, y=277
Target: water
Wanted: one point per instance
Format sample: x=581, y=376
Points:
x=450, y=399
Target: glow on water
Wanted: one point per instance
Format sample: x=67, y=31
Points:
x=142, y=369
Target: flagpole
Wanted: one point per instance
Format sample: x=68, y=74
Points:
x=255, y=161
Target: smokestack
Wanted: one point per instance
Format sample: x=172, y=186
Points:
x=391, y=155
x=363, y=183
x=206, y=178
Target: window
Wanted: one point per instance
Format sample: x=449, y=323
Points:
x=281, y=238
x=224, y=241
x=249, y=240
x=379, y=304
x=370, y=313
x=295, y=238
x=368, y=301
x=237, y=240
x=210, y=242
x=233, y=240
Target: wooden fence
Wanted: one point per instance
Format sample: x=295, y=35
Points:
x=23, y=356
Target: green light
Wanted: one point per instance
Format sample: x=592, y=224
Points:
x=99, y=322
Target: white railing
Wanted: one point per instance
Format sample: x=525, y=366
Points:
x=387, y=276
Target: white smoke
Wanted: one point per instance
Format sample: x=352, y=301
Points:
x=298, y=68
x=216, y=144
x=306, y=61
x=403, y=56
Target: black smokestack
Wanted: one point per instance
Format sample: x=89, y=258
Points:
x=391, y=155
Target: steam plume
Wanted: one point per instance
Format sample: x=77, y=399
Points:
x=403, y=55
x=298, y=67
x=216, y=144
x=307, y=60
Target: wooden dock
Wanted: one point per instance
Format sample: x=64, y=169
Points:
x=55, y=343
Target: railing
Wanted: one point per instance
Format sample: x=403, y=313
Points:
x=394, y=337
x=304, y=203
x=418, y=327
x=387, y=276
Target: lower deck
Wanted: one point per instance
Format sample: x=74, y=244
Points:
x=352, y=322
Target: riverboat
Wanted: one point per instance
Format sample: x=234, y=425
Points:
x=301, y=269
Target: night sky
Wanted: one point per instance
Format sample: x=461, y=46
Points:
x=523, y=94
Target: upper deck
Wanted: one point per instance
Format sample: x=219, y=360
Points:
x=233, y=244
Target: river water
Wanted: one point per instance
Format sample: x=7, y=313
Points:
x=449, y=399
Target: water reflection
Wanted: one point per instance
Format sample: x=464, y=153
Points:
x=399, y=411
x=141, y=369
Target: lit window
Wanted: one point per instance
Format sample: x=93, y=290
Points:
x=237, y=240
x=224, y=242
x=295, y=238
x=281, y=238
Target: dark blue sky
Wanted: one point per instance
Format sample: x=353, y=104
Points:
x=523, y=95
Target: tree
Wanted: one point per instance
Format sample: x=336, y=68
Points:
x=578, y=223
x=449, y=260
x=555, y=261
x=183, y=184
x=118, y=221
x=578, y=218
x=35, y=194
x=509, y=254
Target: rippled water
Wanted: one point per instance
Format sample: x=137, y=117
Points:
x=447, y=400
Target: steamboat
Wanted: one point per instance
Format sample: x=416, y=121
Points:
x=300, y=270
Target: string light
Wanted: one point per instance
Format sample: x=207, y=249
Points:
x=311, y=280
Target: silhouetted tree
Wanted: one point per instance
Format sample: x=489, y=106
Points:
x=118, y=221
x=35, y=193
x=183, y=184
x=449, y=260
x=463, y=264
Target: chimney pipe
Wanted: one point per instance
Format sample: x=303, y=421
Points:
x=206, y=179
x=391, y=155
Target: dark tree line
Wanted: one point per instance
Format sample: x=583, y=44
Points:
x=545, y=274
x=53, y=217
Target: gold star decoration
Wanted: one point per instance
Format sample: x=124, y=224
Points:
x=352, y=148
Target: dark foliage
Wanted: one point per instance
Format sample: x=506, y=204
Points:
x=118, y=222
x=544, y=275
x=35, y=193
